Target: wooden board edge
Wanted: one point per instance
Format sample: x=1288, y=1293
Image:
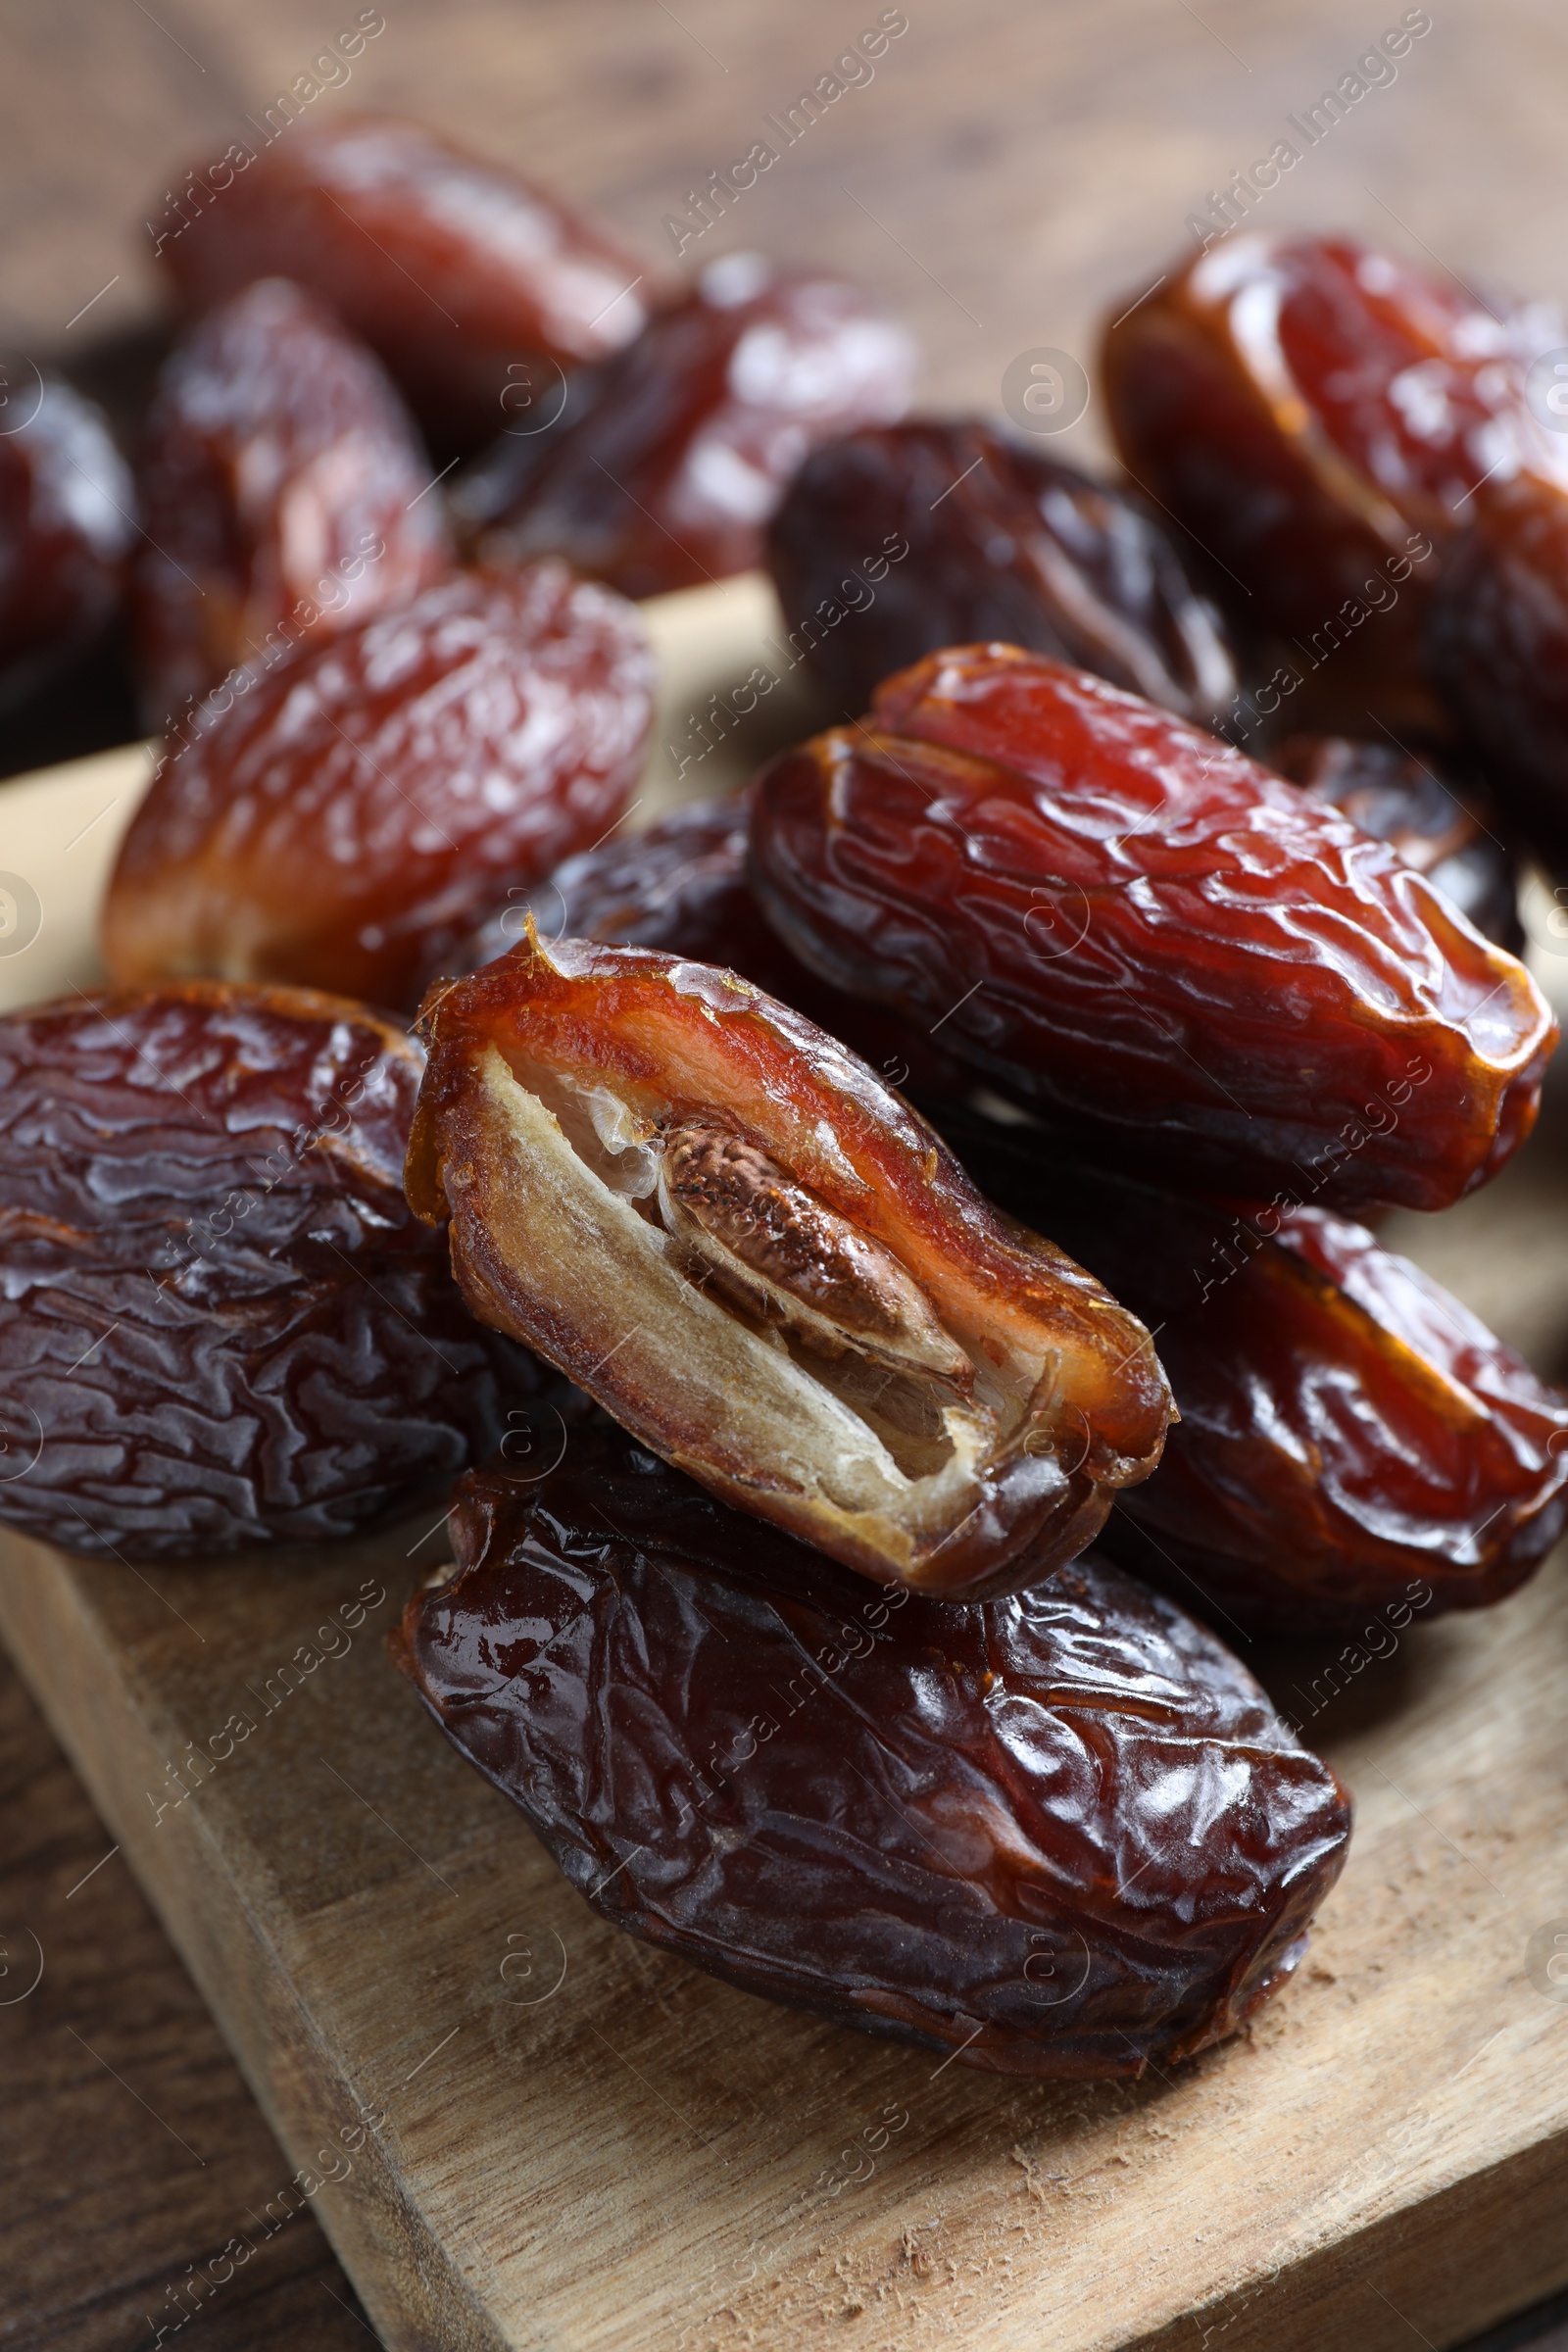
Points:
x=1462, y=2260
x=406, y=2280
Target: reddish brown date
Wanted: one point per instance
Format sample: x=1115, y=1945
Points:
x=1062, y=1834
x=1498, y=637
x=340, y=818
x=462, y=275
x=713, y=1217
x=692, y=434
x=1319, y=414
x=1349, y=1434
x=1123, y=921
x=1444, y=829
x=681, y=886
x=1000, y=542
x=67, y=523
x=282, y=493
x=220, y=1323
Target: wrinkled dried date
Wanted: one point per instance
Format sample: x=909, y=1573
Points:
x=1062, y=1834
x=1125, y=922
x=719, y=1222
x=692, y=434
x=1348, y=1429
x=681, y=886
x=466, y=279
x=340, y=818
x=1498, y=636
x=1313, y=410
x=67, y=524
x=1443, y=830
x=221, y=1326
x=1005, y=543
x=282, y=494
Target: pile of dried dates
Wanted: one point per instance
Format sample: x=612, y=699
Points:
x=932, y=1194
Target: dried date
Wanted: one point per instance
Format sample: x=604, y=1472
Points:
x=465, y=279
x=713, y=1218
x=282, y=492
x=1348, y=1430
x=1444, y=829
x=692, y=434
x=220, y=1325
x=340, y=817
x=1318, y=415
x=1061, y=1834
x=1498, y=635
x=67, y=523
x=1000, y=542
x=1123, y=922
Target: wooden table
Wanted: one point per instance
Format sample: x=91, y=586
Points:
x=1011, y=166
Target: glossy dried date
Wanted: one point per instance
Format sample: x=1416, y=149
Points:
x=713, y=1217
x=1348, y=1432
x=67, y=524
x=1317, y=414
x=1498, y=636
x=220, y=1323
x=692, y=434
x=1444, y=829
x=463, y=278
x=1001, y=542
x=1062, y=1834
x=1125, y=922
x=681, y=886
x=341, y=817
x=282, y=492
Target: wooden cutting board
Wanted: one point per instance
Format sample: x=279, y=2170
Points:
x=520, y=2128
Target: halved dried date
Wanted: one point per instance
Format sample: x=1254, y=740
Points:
x=692, y=433
x=282, y=492
x=466, y=278
x=719, y=1222
x=342, y=818
x=67, y=524
x=999, y=541
x=1123, y=921
x=220, y=1323
x=1349, y=1431
x=682, y=887
x=1443, y=829
x=1062, y=1834
x=1314, y=413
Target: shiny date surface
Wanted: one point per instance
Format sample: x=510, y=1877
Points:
x=221, y=1326
x=1125, y=922
x=1062, y=1834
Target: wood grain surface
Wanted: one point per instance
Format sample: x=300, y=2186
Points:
x=1014, y=164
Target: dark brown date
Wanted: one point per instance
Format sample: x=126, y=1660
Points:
x=681, y=886
x=1499, y=638
x=1062, y=1834
x=1125, y=923
x=282, y=491
x=67, y=523
x=463, y=278
x=1000, y=542
x=1319, y=416
x=1347, y=1431
x=692, y=433
x=1444, y=829
x=220, y=1325
x=709, y=1215
x=340, y=817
